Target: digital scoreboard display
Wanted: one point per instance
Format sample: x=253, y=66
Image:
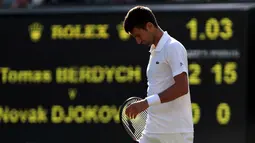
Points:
x=64, y=73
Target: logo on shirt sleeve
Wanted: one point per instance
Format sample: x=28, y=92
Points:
x=181, y=63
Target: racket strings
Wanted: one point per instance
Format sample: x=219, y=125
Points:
x=135, y=126
x=138, y=126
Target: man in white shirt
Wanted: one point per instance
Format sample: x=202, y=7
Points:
x=168, y=96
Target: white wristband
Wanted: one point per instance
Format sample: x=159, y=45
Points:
x=153, y=99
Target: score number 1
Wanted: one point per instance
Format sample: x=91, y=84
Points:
x=226, y=73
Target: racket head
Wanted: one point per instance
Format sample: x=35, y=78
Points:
x=133, y=127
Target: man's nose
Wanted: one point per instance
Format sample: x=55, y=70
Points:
x=138, y=40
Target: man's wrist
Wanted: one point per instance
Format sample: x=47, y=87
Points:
x=153, y=100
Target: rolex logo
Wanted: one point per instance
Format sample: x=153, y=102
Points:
x=35, y=31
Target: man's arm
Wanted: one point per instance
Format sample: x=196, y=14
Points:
x=177, y=90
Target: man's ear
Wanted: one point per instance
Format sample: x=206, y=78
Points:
x=149, y=26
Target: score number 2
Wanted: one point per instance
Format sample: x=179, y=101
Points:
x=222, y=73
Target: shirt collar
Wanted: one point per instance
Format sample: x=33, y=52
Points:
x=161, y=42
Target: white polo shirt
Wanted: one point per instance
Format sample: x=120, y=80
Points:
x=167, y=60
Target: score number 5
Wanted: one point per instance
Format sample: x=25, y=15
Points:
x=222, y=73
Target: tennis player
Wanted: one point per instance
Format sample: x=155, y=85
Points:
x=168, y=96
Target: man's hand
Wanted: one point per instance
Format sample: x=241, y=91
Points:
x=135, y=108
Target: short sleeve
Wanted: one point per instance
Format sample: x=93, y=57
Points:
x=176, y=56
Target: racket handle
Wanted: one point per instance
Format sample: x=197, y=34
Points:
x=135, y=142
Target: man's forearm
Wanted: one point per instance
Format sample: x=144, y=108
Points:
x=172, y=93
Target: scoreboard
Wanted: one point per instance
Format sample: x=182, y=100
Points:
x=65, y=71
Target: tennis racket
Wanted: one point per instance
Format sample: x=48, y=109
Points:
x=134, y=127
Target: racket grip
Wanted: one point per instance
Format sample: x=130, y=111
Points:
x=135, y=142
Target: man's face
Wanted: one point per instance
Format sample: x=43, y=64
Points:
x=143, y=36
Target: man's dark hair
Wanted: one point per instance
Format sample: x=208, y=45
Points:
x=137, y=17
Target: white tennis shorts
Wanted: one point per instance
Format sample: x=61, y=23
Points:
x=167, y=138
